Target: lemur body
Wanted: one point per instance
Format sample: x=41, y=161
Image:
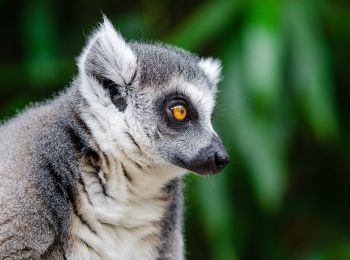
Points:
x=96, y=172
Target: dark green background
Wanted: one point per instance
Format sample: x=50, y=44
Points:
x=283, y=110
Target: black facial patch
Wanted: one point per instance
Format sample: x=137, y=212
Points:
x=164, y=105
x=114, y=92
x=120, y=103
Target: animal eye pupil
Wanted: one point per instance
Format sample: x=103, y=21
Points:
x=179, y=112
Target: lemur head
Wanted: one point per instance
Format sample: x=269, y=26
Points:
x=151, y=102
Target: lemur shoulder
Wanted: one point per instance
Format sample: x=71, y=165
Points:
x=95, y=173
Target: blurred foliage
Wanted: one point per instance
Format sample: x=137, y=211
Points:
x=283, y=110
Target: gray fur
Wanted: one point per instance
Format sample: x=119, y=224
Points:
x=159, y=63
x=61, y=158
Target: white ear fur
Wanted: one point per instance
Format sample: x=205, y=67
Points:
x=108, y=55
x=212, y=68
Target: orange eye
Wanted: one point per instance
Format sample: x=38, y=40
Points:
x=179, y=112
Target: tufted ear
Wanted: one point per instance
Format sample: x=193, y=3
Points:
x=107, y=57
x=212, y=68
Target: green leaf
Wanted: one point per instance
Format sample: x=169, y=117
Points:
x=262, y=46
x=39, y=32
x=216, y=210
x=311, y=73
x=205, y=24
x=256, y=139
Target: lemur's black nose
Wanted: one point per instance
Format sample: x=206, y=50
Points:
x=217, y=155
x=221, y=159
x=209, y=160
x=212, y=159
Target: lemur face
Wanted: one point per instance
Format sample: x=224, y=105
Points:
x=152, y=101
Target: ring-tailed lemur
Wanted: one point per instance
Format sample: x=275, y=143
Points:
x=96, y=172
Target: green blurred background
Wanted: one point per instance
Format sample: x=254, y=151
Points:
x=283, y=110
